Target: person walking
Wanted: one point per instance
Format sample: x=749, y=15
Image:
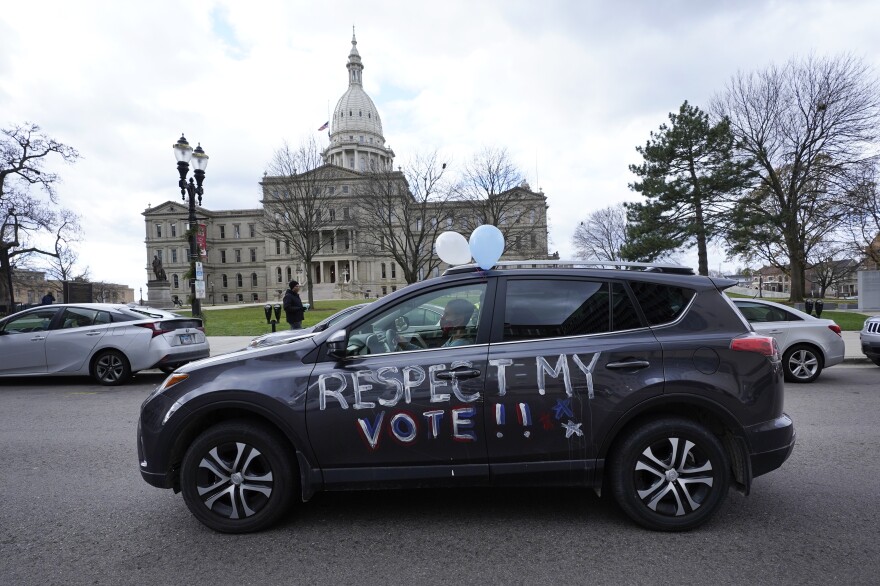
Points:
x=293, y=306
x=48, y=299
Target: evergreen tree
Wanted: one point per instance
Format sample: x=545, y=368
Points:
x=689, y=171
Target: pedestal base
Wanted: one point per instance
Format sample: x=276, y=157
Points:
x=159, y=295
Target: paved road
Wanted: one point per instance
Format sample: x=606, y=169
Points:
x=75, y=511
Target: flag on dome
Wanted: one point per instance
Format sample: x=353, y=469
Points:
x=324, y=126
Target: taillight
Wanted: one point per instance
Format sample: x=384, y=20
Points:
x=155, y=327
x=764, y=345
x=835, y=328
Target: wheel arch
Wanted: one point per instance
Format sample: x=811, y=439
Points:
x=714, y=417
x=221, y=412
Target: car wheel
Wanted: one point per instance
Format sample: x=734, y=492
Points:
x=670, y=475
x=167, y=369
x=876, y=361
x=237, y=478
x=802, y=364
x=111, y=368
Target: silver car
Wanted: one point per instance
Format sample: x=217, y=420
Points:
x=106, y=341
x=285, y=336
x=870, y=339
x=808, y=344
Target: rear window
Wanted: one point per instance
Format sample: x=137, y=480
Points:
x=549, y=308
x=661, y=303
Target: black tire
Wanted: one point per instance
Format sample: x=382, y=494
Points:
x=237, y=478
x=167, y=369
x=670, y=475
x=111, y=368
x=802, y=363
x=876, y=361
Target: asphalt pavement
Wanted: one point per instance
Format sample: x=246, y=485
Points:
x=225, y=344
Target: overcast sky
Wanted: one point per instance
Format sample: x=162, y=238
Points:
x=570, y=88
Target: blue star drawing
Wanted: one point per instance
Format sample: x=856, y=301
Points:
x=562, y=408
x=572, y=428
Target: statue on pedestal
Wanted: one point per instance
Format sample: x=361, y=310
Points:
x=158, y=270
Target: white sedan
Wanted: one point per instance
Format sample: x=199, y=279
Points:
x=106, y=341
x=808, y=344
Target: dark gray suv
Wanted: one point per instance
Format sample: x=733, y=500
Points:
x=645, y=384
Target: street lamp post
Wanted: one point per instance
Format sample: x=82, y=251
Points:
x=184, y=153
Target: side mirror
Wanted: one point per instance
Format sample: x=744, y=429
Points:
x=336, y=344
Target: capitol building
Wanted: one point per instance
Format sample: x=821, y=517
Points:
x=247, y=259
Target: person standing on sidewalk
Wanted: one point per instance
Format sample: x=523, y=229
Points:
x=293, y=306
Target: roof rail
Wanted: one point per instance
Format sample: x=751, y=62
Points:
x=574, y=264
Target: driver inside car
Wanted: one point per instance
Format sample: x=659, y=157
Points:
x=454, y=322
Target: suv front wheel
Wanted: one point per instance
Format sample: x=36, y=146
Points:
x=670, y=474
x=237, y=478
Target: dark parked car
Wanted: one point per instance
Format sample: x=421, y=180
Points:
x=647, y=383
x=870, y=339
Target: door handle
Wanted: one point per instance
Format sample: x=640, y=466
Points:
x=459, y=374
x=628, y=364
x=93, y=333
x=38, y=338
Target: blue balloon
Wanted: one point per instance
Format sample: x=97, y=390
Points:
x=487, y=244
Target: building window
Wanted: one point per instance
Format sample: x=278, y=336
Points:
x=158, y=230
x=225, y=298
x=225, y=282
x=345, y=215
x=253, y=255
x=532, y=217
x=253, y=279
x=222, y=231
x=239, y=281
x=236, y=230
x=278, y=274
x=289, y=275
x=393, y=288
x=286, y=247
x=534, y=241
x=237, y=255
x=173, y=255
x=255, y=297
x=277, y=247
x=222, y=256
x=173, y=230
x=159, y=254
x=240, y=298
x=331, y=190
x=176, y=280
x=384, y=290
x=345, y=189
x=332, y=213
x=383, y=272
x=252, y=230
x=346, y=241
x=393, y=271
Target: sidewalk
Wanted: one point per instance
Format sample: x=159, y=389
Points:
x=224, y=344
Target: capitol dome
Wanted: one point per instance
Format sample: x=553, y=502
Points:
x=356, y=140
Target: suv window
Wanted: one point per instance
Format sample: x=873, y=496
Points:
x=440, y=318
x=661, y=303
x=549, y=308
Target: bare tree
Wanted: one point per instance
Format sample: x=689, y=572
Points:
x=23, y=152
x=493, y=191
x=402, y=212
x=296, y=200
x=807, y=125
x=827, y=267
x=863, y=226
x=602, y=234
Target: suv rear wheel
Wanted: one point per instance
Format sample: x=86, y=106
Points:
x=237, y=478
x=670, y=474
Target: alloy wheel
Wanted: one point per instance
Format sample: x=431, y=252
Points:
x=673, y=477
x=234, y=480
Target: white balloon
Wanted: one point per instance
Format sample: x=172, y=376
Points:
x=453, y=249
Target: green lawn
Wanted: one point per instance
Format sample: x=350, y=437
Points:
x=251, y=320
